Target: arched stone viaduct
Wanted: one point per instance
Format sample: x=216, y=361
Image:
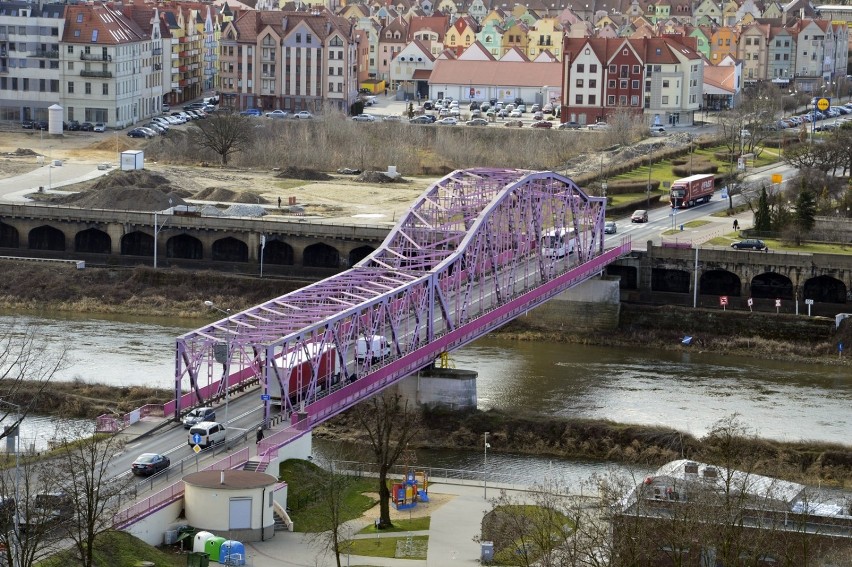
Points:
x=127, y=236
x=664, y=274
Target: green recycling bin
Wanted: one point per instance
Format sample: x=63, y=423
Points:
x=213, y=546
x=197, y=559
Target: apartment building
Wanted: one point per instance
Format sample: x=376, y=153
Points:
x=108, y=67
x=29, y=59
x=289, y=60
x=661, y=78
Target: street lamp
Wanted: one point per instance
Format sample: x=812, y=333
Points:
x=226, y=362
x=485, y=466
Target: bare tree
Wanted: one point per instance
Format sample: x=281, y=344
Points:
x=24, y=371
x=625, y=126
x=28, y=528
x=335, y=533
x=224, y=133
x=390, y=424
x=93, y=495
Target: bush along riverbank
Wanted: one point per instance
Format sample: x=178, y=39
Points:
x=596, y=440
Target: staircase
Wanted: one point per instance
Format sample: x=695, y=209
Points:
x=255, y=464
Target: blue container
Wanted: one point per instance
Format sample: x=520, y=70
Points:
x=232, y=553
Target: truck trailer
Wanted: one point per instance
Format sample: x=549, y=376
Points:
x=295, y=369
x=692, y=190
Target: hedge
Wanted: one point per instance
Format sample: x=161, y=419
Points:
x=698, y=167
x=631, y=186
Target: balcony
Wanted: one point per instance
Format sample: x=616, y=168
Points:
x=4, y=70
x=157, y=51
x=182, y=68
x=46, y=53
x=174, y=56
x=95, y=57
x=96, y=74
x=175, y=85
x=183, y=54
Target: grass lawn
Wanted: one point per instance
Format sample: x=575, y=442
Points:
x=386, y=546
x=119, y=549
x=306, y=482
x=778, y=246
x=412, y=525
x=690, y=224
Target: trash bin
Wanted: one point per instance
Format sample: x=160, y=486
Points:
x=197, y=559
x=486, y=551
x=681, y=228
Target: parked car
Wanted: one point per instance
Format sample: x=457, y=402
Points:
x=158, y=128
x=424, y=119
x=364, y=118
x=542, y=124
x=73, y=126
x=99, y=127
x=303, y=115
x=448, y=121
x=514, y=123
x=535, y=108
x=87, y=126
x=147, y=464
x=538, y=115
x=516, y=114
x=138, y=133
x=150, y=131
x=40, y=125
x=521, y=107
x=166, y=108
x=250, y=112
x=391, y=118
x=749, y=244
x=198, y=415
x=548, y=109
x=568, y=126
x=278, y=113
x=610, y=227
x=639, y=216
x=658, y=131
x=428, y=105
x=477, y=122
x=27, y=124
x=598, y=126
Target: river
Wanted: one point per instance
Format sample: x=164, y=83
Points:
x=688, y=390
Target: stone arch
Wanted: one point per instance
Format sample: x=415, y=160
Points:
x=359, y=254
x=9, y=236
x=675, y=281
x=720, y=282
x=137, y=243
x=229, y=249
x=184, y=246
x=628, y=275
x=46, y=238
x=93, y=241
x=825, y=289
x=771, y=285
x=321, y=255
x=277, y=252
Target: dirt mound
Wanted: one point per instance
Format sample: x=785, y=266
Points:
x=133, y=178
x=221, y=194
x=378, y=177
x=23, y=152
x=304, y=174
x=126, y=199
x=113, y=144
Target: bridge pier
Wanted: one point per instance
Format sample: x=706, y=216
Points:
x=447, y=387
x=594, y=304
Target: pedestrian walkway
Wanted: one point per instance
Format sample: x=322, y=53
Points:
x=47, y=177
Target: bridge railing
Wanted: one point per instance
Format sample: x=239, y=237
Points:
x=171, y=493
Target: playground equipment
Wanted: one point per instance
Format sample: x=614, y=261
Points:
x=413, y=489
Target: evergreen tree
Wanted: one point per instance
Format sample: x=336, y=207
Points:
x=805, y=211
x=762, y=219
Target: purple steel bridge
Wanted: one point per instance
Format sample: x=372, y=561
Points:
x=477, y=249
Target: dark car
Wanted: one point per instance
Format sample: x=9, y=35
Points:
x=27, y=124
x=639, y=216
x=477, y=122
x=749, y=244
x=541, y=124
x=147, y=464
x=40, y=125
x=73, y=125
x=568, y=126
x=251, y=112
x=138, y=133
x=87, y=127
x=428, y=105
x=424, y=119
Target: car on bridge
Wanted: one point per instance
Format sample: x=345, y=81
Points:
x=198, y=415
x=639, y=216
x=610, y=227
x=147, y=464
x=749, y=244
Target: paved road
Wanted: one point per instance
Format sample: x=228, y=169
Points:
x=50, y=177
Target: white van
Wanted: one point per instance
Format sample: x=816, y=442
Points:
x=378, y=346
x=211, y=432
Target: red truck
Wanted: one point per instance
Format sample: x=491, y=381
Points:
x=691, y=190
x=295, y=370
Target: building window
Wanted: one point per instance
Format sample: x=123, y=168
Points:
x=636, y=69
x=610, y=100
x=622, y=84
x=298, y=38
x=665, y=100
x=578, y=99
x=579, y=83
x=593, y=83
x=88, y=88
x=105, y=88
x=593, y=68
x=71, y=49
x=665, y=84
x=70, y=87
x=634, y=84
x=580, y=67
x=612, y=69
x=611, y=83
x=622, y=100
x=634, y=100
x=592, y=99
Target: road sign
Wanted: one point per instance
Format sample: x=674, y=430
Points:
x=196, y=448
x=750, y=302
x=723, y=300
x=264, y=397
x=809, y=302
x=777, y=178
x=823, y=104
x=196, y=438
x=777, y=303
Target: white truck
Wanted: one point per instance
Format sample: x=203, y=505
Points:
x=376, y=347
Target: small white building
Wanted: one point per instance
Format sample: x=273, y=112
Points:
x=235, y=504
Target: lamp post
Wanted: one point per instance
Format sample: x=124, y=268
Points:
x=485, y=466
x=16, y=431
x=227, y=363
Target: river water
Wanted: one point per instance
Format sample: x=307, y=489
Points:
x=688, y=390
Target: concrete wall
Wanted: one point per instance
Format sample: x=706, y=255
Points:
x=152, y=529
x=208, y=509
x=592, y=305
x=448, y=387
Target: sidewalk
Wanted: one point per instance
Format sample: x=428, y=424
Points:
x=451, y=532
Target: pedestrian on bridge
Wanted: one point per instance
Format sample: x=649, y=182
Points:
x=259, y=435
x=736, y=224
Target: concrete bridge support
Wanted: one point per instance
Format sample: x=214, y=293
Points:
x=594, y=304
x=447, y=387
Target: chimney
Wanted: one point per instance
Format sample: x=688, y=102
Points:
x=284, y=24
x=784, y=18
x=221, y=477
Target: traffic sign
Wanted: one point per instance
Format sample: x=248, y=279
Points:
x=723, y=300
x=776, y=178
x=777, y=303
x=196, y=448
x=196, y=438
x=264, y=397
x=823, y=104
x=809, y=302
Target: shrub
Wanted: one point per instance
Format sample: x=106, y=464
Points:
x=696, y=168
x=631, y=186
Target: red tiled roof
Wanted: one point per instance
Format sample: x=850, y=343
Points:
x=421, y=74
x=100, y=25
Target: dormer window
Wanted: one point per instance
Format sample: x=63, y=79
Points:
x=80, y=19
